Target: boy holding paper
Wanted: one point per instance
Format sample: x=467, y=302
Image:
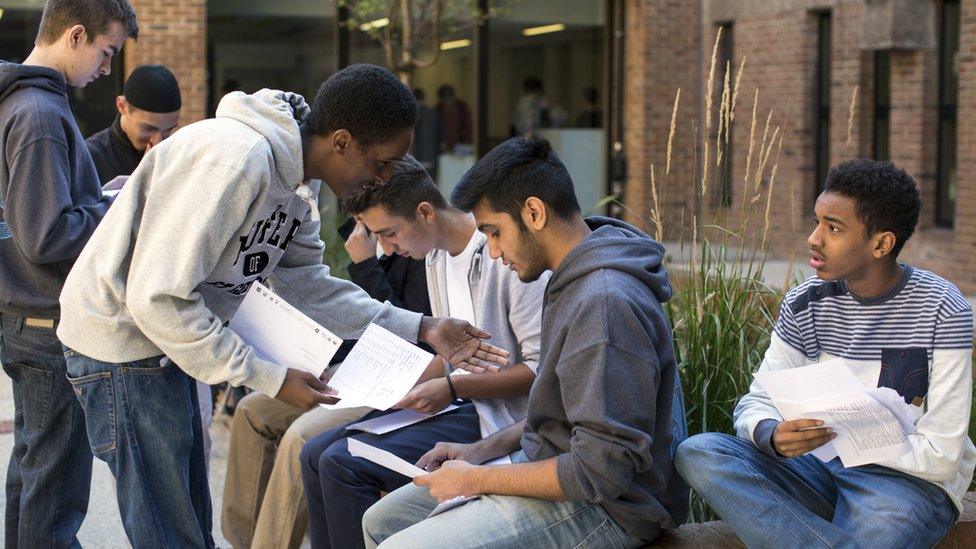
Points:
x=894, y=326
x=595, y=466
x=219, y=205
x=411, y=218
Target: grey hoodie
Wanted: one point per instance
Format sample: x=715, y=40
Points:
x=50, y=198
x=207, y=212
x=601, y=402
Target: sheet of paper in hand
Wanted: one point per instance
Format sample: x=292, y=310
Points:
x=379, y=371
x=867, y=431
x=281, y=333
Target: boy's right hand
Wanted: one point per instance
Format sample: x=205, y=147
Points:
x=303, y=390
x=448, y=451
x=799, y=436
x=361, y=244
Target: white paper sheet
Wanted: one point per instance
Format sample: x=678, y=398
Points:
x=381, y=457
x=281, y=333
x=867, y=431
x=449, y=504
x=397, y=420
x=379, y=371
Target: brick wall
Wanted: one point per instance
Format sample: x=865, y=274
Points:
x=174, y=33
x=670, y=45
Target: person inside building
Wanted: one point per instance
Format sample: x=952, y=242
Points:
x=264, y=503
x=894, y=326
x=592, y=460
x=455, y=120
x=50, y=203
x=220, y=205
x=149, y=111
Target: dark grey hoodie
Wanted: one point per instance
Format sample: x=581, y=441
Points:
x=50, y=198
x=601, y=402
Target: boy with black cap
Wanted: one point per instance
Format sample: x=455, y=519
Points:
x=149, y=111
x=50, y=203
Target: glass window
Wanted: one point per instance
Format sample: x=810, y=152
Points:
x=547, y=75
x=258, y=44
x=948, y=90
x=93, y=105
x=445, y=91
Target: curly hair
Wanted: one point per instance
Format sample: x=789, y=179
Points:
x=409, y=185
x=885, y=196
x=366, y=100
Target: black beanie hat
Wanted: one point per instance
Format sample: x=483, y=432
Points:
x=152, y=88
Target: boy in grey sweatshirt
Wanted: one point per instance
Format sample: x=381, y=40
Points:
x=50, y=202
x=219, y=205
x=595, y=466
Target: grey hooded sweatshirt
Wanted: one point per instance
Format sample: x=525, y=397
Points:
x=208, y=212
x=50, y=198
x=601, y=402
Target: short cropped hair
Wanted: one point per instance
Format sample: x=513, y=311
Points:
x=885, y=196
x=514, y=171
x=409, y=185
x=95, y=15
x=368, y=101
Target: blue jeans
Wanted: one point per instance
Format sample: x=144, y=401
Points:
x=803, y=502
x=399, y=521
x=339, y=487
x=49, y=474
x=144, y=421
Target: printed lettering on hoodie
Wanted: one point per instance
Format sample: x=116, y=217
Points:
x=255, y=247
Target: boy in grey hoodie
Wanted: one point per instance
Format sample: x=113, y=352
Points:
x=595, y=465
x=219, y=205
x=50, y=202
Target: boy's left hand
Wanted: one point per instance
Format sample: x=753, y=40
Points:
x=453, y=479
x=462, y=344
x=428, y=397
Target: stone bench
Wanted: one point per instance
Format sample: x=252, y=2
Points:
x=719, y=535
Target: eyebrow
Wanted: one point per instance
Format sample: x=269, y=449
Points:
x=835, y=220
x=484, y=227
x=114, y=50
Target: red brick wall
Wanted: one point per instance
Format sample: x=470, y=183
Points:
x=174, y=33
x=777, y=39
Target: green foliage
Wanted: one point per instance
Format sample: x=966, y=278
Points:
x=335, y=251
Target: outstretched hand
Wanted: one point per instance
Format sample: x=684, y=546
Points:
x=462, y=344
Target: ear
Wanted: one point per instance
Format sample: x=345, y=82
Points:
x=534, y=214
x=883, y=243
x=341, y=141
x=425, y=212
x=121, y=105
x=77, y=36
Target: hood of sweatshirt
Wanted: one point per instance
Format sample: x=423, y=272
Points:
x=267, y=113
x=14, y=76
x=614, y=244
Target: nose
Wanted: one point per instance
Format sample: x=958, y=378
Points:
x=388, y=247
x=815, y=239
x=494, y=251
x=384, y=175
x=106, y=68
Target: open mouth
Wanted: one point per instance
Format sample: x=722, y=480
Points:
x=817, y=261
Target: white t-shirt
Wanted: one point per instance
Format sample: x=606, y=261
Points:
x=459, y=301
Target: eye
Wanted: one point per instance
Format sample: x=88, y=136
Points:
x=833, y=229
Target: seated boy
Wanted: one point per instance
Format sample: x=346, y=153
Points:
x=895, y=326
x=411, y=218
x=595, y=468
x=263, y=503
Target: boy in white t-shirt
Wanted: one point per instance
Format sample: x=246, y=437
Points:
x=411, y=218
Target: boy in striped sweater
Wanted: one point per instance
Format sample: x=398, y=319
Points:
x=895, y=326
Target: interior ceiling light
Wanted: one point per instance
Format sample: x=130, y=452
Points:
x=454, y=44
x=545, y=29
x=377, y=24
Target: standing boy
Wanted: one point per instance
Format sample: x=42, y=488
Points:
x=50, y=202
x=895, y=326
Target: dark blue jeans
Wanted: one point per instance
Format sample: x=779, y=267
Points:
x=49, y=474
x=144, y=421
x=339, y=487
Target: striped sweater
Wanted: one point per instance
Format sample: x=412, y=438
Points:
x=916, y=339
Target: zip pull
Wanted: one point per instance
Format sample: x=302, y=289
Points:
x=305, y=193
